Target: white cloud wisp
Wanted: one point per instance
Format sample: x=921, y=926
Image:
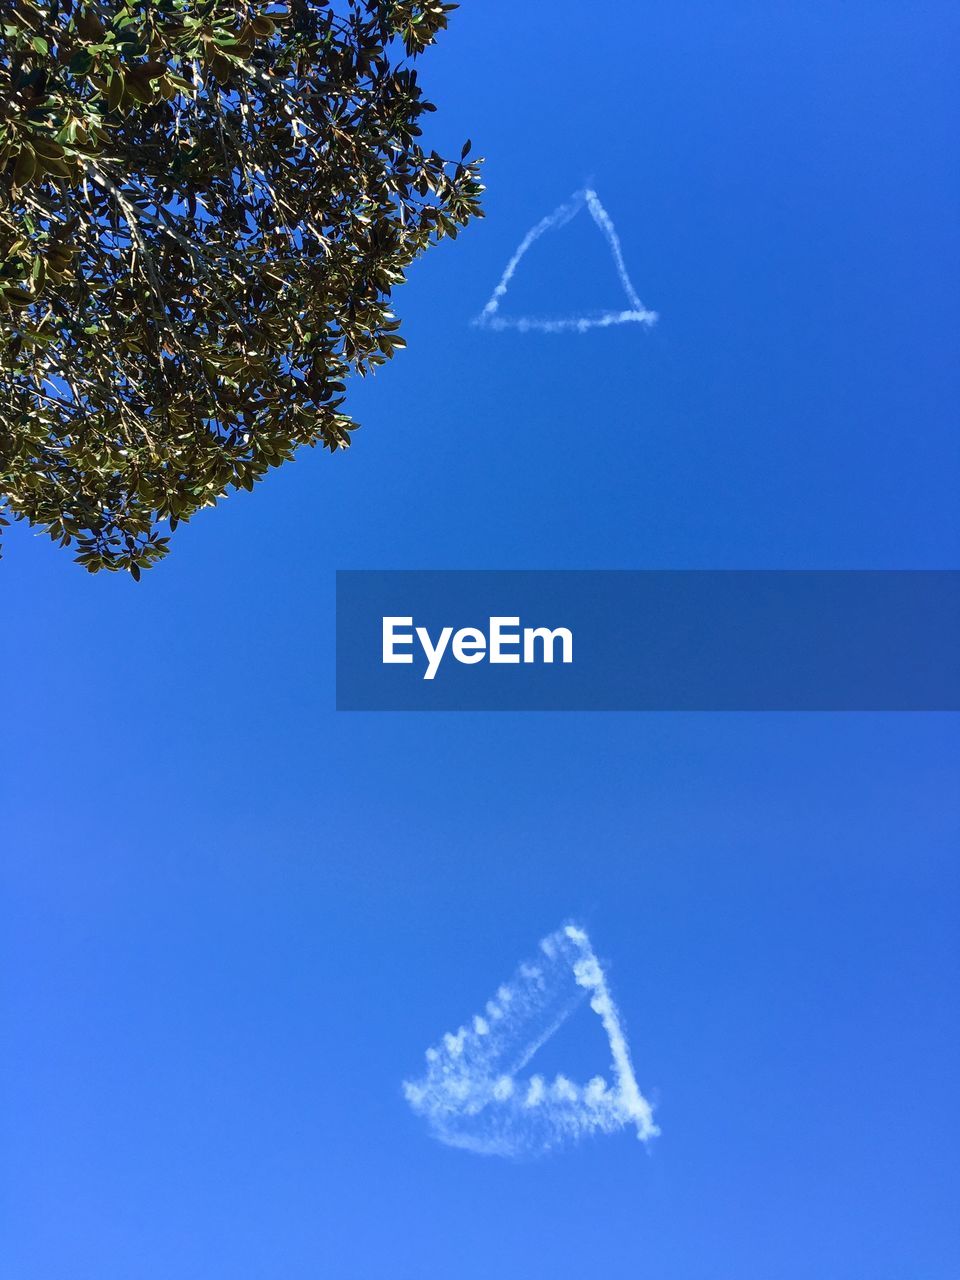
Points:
x=472, y=1095
x=635, y=313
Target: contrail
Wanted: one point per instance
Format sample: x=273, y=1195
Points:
x=636, y=313
x=472, y=1096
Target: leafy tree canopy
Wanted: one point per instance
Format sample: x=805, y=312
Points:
x=204, y=208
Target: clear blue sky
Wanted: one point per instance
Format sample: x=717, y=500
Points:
x=232, y=919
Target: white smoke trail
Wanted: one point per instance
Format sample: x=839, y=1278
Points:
x=471, y=1095
x=636, y=313
x=604, y=222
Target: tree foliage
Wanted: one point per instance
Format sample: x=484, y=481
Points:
x=204, y=208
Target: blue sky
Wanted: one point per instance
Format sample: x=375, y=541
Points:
x=233, y=919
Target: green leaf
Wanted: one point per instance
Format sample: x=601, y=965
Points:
x=221, y=258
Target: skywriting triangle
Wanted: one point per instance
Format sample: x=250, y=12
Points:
x=476, y=1092
x=633, y=313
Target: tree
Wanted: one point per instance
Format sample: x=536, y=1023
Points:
x=205, y=206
